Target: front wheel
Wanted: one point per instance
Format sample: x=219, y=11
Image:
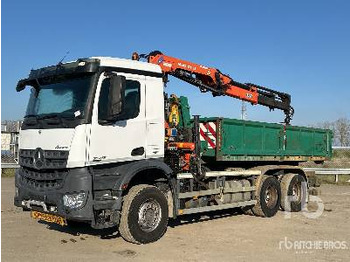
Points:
x=144, y=217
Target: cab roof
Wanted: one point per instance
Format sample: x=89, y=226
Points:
x=127, y=63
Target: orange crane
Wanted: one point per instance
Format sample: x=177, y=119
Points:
x=211, y=79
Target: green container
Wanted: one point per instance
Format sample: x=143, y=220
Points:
x=224, y=139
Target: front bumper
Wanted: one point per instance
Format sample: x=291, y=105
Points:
x=30, y=194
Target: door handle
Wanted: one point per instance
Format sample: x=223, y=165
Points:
x=139, y=151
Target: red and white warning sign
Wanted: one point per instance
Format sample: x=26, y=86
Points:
x=208, y=133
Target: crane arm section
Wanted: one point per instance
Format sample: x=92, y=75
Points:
x=211, y=79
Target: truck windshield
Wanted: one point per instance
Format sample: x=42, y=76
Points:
x=60, y=97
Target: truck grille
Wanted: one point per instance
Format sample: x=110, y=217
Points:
x=42, y=180
x=43, y=159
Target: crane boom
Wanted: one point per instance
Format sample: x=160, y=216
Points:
x=211, y=79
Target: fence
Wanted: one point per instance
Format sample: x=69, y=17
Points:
x=341, y=147
x=330, y=171
x=9, y=141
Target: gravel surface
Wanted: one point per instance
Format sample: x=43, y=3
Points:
x=223, y=236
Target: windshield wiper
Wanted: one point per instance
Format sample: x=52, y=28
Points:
x=31, y=120
x=47, y=116
x=53, y=119
x=35, y=116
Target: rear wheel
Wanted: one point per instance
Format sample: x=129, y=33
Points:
x=293, y=192
x=144, y=217
x=268, y=197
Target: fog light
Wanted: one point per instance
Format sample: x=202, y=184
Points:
x=74, y=200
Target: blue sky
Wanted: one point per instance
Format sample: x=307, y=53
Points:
x=298, y=47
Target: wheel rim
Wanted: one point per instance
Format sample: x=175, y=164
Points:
x=149, y=215
x=271, y=196
x=296, y=192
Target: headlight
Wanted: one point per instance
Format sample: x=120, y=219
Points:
x=74, y=200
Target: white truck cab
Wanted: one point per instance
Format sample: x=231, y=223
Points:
x=95, y=141
x=90, y=126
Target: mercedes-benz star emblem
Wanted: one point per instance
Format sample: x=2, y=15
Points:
x=38, y=159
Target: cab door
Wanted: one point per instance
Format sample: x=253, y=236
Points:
x=124, y=139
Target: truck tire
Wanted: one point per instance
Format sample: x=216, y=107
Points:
x=293, y=186
x=144, y=216
x=268, y=197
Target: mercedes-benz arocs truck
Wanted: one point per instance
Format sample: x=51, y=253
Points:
x=102, y=143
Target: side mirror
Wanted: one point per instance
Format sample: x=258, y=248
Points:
x=23, y=83
x=116, y=96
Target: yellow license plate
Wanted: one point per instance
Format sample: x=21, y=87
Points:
x=48, y=218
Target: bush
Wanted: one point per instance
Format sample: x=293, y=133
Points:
x=339, y=153
x=8, y=172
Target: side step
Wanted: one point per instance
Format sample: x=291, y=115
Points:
x=215, y=191
x=222, y=173
x=216, y=207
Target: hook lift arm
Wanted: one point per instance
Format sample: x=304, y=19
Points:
x=211, y=79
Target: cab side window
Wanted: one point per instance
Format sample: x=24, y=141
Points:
x=132, y=100
x=131, y=107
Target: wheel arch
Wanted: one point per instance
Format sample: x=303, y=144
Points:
x=143, y=172
x=279, y=171
x=149, y=172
